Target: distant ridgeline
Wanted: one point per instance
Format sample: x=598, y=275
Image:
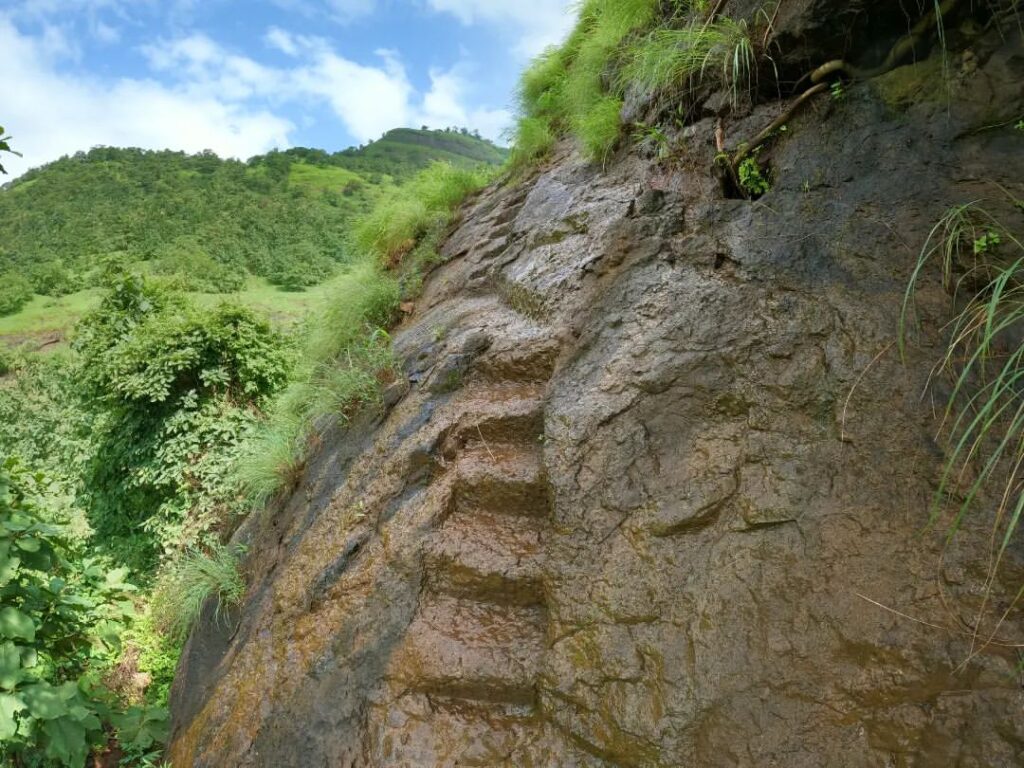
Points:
x=281, y=215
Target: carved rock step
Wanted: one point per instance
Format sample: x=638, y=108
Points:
x=470, y=650
x=503, y=479
x=488, y=556
x=423, y=731
x=497, y=413
x=526, y=355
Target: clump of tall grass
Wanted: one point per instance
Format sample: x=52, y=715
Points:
x=534, y=138
x=392, y=229
x=185, y=586
x=685, y=57
x=567, y=89
x=982, y=264
x=347, y=357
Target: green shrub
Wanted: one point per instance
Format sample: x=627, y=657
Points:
x=299, y=266
x=62, y=612
x=176, y=390
x=15, y=293
x=196, y=270
x=752, y=179
x=189, y=582
x=51, y=279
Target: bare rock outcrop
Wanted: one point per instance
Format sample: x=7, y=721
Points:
x=654, y=490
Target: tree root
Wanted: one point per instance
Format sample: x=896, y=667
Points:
x=819, y=76
x=749, y=146
x=904, y=47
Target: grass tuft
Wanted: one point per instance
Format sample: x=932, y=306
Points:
x=533, y=141
x=599, y=128
x=686, y=57
x=982, y=263
x=345, y=358
x=571, y=88
x=185, y=587
x=393, y=228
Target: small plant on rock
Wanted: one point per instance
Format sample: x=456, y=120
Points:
x=752, y=179
x=986, y=243
x=652, y=138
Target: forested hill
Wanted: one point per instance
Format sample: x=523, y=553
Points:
x=281, y=215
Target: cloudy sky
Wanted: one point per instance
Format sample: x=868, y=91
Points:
x=243, y=76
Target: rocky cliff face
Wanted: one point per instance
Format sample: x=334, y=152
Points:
x=653, y=491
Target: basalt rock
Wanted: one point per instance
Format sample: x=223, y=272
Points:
x=657, y=493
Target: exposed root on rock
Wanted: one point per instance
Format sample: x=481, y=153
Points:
x=819, y=79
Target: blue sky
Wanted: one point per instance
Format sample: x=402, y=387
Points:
x=244, y=76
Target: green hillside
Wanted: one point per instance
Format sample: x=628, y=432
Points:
x=280, y=216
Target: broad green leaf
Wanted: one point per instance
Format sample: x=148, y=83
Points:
x=14, y=623
x=9, y=564
x=11, y=672
x=28, y=543
x=66, y=740
x=46, y=701
x=10, y=705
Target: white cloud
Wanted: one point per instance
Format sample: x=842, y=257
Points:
x=342, y=11
x=50, y=113
x=105, y=33
x=368, y=99
x=201, y=95
x=352, y=9
x=282, y=40
x=444, y=105
x=538, y=23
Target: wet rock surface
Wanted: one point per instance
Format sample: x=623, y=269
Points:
x=666, y=506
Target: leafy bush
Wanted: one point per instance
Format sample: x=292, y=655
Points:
x=195, y=577
x=176, y=390
x=299, y=266
x=197, y=270
x=752, y=179
x=15, y=293
x=50, y=279
x=61, y=611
